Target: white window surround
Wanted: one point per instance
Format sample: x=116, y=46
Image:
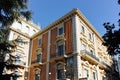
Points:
x=60, y=30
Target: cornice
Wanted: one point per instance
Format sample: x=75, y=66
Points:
x=69, y=15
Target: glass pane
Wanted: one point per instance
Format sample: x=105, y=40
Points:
x=60, y=31
x=60, y=50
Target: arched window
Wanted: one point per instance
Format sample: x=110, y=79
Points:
x=37, y=74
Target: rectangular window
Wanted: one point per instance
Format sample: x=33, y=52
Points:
x=60, y=74
x=90, y=36
x=60, y=50
x=39, y=56
x=37, y=77
x=83, y=29
x=86, y=75
x=60, y=31
x=27, y=29
x=93, y=76
x=40, y=42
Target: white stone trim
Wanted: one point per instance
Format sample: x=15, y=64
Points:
x=48, y=55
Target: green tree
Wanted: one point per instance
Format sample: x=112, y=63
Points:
x=10, y=10
x=13, y=9
x=112, y=41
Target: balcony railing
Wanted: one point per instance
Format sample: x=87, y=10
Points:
x=89, y=54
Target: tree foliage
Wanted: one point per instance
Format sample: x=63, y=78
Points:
x=13, y=9
x=10, y=10
x=112, y=37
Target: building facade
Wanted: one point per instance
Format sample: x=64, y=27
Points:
x=22, y=30
x=68, y=49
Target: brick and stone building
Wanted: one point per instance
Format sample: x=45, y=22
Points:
x=68, y=49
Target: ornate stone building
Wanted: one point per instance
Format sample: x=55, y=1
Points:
x=68, y=49
x=23, y=31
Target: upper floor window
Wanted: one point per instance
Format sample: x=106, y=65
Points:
x=93, y=76
x=60, y=50
x=40, y=42
x=34, y=31
x=90, y=36
x=83, y=29
x=60, y=30
x=86, y=74
x=39, y=57
x=27, y=29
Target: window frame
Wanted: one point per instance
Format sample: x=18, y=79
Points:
x=40, y=41
x=60, y=51
x=83, y=29
x=60, y=33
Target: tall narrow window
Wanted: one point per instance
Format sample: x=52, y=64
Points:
x=70, y=68
x=37, y=74
x=40, y=42
x=27, y=29
x=60, y=31
x=60, y=71
x=86, y=75
x=90, y=36
x=93, y=76
x=83, y=29
x=39, y=57
x=60, y=50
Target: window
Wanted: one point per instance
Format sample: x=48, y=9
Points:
x=104, y=78
x=93, y=76
x=18, y=58
x=83, y=47
x=70, y=68
x=40, y=42
x=86, y=75
x=60, y=71
x=60, y=31
x=20, y=40
x=83, y=29
x=92, y=52
x=60, y=50
x=27, y=29
x=39, y=56
x=37, y=74
x=90, y=36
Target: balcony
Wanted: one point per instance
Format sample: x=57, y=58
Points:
x=104, y=65
x=36, y=63
x=89, y=56
x=59, y=57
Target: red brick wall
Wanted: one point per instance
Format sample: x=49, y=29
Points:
x=68, y=36
x=33, y=57
x=44, y=47
x=34, y=47
x=53, y=43
x=43, y=72
x=53, y=70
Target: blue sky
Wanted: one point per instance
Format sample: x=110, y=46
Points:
x=96, y=11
